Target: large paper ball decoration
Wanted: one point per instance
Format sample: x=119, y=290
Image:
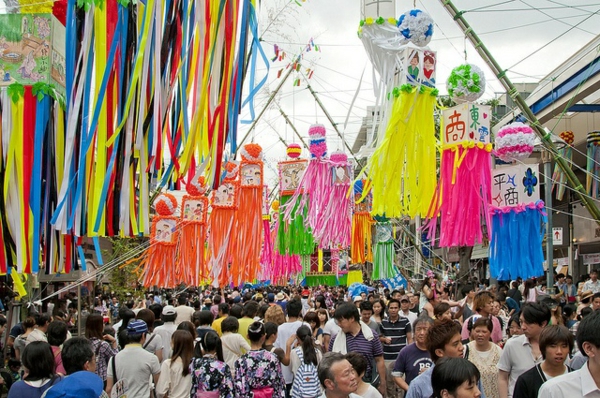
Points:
x=294, y=150
x=165, y=204
x=317, y=144
x=275, y=205
x=251, y=152
x=568, y=137
x=196, y=187
x=416, y=26
x=466, y=83
x=338, y=157
x=514, y=142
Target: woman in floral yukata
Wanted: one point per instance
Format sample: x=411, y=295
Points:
x=211, y=376
x=258, y=372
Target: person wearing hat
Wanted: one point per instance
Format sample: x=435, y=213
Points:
x=357, y=300
x=166, y=330
x=79, y=361
x=405, y=311
x=133, y=366
x=585, y=300
x=207, y=304
x=281, y=300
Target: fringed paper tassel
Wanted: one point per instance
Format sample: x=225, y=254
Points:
x=516, y=241
x=192, y=268
x=224, y=202
x=294, y=236
x=333, y=228
x=315, y=183
x=160, y=260
x=559, y=178
x=463, y=195
x=362, y=222
x=383, y=253
x=245, y=264
x=593, y=164
x=402, y=170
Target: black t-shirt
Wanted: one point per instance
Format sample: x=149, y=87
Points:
x=529, y=383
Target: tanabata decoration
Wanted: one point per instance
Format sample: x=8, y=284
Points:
x=245, y=263
x=383, y=252
x=416, y=27
x=514, y=142
x=333, y=226
x=160, y=260
x=293, y=235
x=191, y=263
x=559, y=178
x=315, y=186
x=221, y=223
x=593, y=164
x=518, y=223
x=402, y=170
x=362, y=223
x=464, y=190
x=466, y=83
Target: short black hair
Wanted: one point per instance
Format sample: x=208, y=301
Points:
x=346, y=311
x=553, y=334
x=588, y=331
x=450, y=373
x=366, y=306
x=391, y=301
x=38, y=359
x=294, y=308
x=536, y=313
x=250, y=309
x=230, y=324
x=358, y=362
x=205, y=317
x=75, y=353
x=270, y=329
x=440, y=334
x=41, y=319
x=56, y=333
x=182, y=300
x=224, y=308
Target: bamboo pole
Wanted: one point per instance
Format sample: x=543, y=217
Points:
x=544, y=135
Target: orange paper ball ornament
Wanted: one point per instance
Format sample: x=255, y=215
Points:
x=165, y=204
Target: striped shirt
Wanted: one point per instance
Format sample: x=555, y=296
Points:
x=359, y=343
x=397, y=332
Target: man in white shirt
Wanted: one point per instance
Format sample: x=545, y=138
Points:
x=284, y=332
x=166, y=330
x=593, y=284
x=184, y=311
x=580, y=383
x=405, y=311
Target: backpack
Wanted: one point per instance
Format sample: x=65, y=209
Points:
x=306, y=381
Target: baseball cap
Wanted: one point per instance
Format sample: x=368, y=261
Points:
x=404, y=298
x=169, y=310
x=271, y=297
x=136, y=326
x=357, y=299
x=82, y=384
x=306, y=292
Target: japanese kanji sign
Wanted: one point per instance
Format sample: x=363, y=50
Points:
x=466, y=122
x=515, y=185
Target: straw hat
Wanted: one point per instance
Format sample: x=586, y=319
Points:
x=585, y=295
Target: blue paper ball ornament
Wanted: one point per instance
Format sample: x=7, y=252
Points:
x=416, y=26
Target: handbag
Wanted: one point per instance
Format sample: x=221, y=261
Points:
x=263, y=392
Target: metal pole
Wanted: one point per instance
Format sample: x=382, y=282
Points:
x=334, y=124
x=570, y=251
x=514, y=94
x=287, y=119
x=79, y=332
x=262, y=112
x=547, y=159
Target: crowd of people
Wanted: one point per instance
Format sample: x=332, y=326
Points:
x=434, y=339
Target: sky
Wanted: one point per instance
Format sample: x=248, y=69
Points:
x=529, y=38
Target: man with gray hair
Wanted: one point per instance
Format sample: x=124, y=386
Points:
x=337, y=376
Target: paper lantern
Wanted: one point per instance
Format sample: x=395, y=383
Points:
x=466, y=83
x=514, y=142
x=416, y=26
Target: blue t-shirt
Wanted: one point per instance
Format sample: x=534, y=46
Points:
x=23, y=390
x=421, y=386
x=411, y=361
x=512, y=304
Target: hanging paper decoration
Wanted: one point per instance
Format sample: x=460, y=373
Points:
x=466, y=83
x=593, y=164
x=333, y=226
x=224, y=202
x=161, y=257
x=402, y=170
x=248, y=223
x=514, y=142
x=464, y=189
x=518, y=223
x=191, y=263
x=362, y=222
x=383, y=252
x=559, y=178
x=416, y=26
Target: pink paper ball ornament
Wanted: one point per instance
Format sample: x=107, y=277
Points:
x=514, y=142
x=317, y=144
x=294, y=150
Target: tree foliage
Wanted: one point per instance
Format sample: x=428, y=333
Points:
x=123, y=278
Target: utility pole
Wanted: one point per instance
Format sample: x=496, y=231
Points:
x=514, y=94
